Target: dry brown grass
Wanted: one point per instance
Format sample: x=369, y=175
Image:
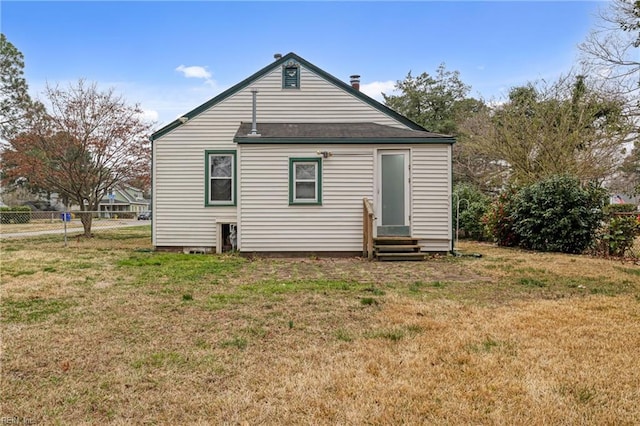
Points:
x=105, y=333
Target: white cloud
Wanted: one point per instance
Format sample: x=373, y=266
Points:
x=495, y=103
x=194, y=72
x=198, y=72
x=150, y=115
x=376, y=88
x=604, y=72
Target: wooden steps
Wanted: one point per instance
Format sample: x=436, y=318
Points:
x=397, y=248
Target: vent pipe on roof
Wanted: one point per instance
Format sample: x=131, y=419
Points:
x=355, y=81
x=254, y=118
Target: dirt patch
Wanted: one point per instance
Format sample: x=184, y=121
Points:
x=358, y=270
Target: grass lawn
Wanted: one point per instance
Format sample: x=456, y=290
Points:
x=108, y=331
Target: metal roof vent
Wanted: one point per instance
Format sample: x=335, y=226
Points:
x=254, y=115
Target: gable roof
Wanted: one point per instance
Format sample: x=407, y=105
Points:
x=334, y=133
x=127, y=192
x=246, y=82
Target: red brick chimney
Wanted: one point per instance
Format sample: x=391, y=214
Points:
x=355, y=81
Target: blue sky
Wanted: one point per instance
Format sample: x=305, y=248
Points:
x=172, y=56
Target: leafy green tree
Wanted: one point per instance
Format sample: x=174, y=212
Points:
x=16, y=106
x=434, y=102
x=440, y=103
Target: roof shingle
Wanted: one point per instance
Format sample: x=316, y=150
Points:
x=335, y=132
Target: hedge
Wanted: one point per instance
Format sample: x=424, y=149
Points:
x=21, y=214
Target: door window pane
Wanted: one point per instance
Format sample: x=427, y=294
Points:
x=393, y=182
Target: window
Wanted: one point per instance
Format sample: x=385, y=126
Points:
x=220, y=175
x=291, y=75
x=305, y=181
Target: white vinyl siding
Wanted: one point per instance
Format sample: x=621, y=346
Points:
x=431, y=196
x=269, y=223
x=181, y=218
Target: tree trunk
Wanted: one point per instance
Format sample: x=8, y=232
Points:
x=86, y=218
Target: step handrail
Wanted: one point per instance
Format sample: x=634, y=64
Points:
x=368, y=218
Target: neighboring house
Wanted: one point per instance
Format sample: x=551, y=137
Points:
x=623, y=199
x=282, y=161
x=124, y=198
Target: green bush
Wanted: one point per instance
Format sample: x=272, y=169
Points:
x=557, y=214
x=471, y=211
x=621, y=234
x=620, y=208
x=20, y=214
x=498, y=223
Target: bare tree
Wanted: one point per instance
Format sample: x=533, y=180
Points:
x=89, y=141
x=611, y=50
x=545, y=130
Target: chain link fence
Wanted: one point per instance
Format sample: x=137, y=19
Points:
x=21, y=224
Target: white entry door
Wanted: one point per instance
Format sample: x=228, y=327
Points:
x=393, y=195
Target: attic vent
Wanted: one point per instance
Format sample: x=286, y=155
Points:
x=291, y=75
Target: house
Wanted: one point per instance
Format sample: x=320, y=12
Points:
x=620, y=198
x=124, y=198
x=286, y=161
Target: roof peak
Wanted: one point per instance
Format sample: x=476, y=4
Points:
x=249, y=80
